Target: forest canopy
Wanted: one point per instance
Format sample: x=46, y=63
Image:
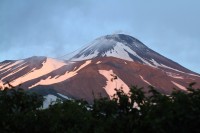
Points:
x=135, y=112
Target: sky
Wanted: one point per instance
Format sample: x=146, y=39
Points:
x=56, y=27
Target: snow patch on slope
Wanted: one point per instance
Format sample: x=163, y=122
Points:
x=173, y=75
x=98, y=62
x=117, y=49
x=193, y=74
x=67, y=75
x=4, y=64
x=122, y=51
x=100, y=42
x=83, y=57
x=145, y=80
x=113, y=84
x=84, y=65
x=14, y=72
x=156, y=64
x=1, y=85
x=11, y=65
x=48, y=66
x=49, y=99
x=179, y=86
x=66, y=97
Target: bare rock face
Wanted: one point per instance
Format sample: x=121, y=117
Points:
x=109, y=62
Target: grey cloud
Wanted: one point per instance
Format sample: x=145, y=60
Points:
x=56, y=27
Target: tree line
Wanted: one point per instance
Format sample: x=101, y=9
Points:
x=135, y=112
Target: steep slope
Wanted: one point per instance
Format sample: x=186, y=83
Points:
x=97, y=77
x=127, y=48
x=17, y=72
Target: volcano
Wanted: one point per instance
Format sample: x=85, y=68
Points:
x=108, y=62
x=127, y=48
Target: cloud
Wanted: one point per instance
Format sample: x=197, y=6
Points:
x=54, y=28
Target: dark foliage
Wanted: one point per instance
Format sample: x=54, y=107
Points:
x=21, y=112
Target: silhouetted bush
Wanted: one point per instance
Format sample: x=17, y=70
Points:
x=135, y=112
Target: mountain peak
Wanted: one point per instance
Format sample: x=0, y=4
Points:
x=118, y=38
x=116, y=45
x=127, y=48
x=122, y=38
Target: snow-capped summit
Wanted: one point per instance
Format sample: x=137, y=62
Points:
x=127, y=48
x=117, y=45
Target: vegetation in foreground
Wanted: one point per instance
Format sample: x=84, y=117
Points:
x=20, y=112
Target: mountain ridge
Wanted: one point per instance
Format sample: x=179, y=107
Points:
x=91, y=77
x=125, y=47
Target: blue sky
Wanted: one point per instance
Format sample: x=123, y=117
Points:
x=56, y=27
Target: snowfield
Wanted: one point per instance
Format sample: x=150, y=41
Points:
x=179, y=86
x=112, y=84
x=47, y=67
x=52, y=80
